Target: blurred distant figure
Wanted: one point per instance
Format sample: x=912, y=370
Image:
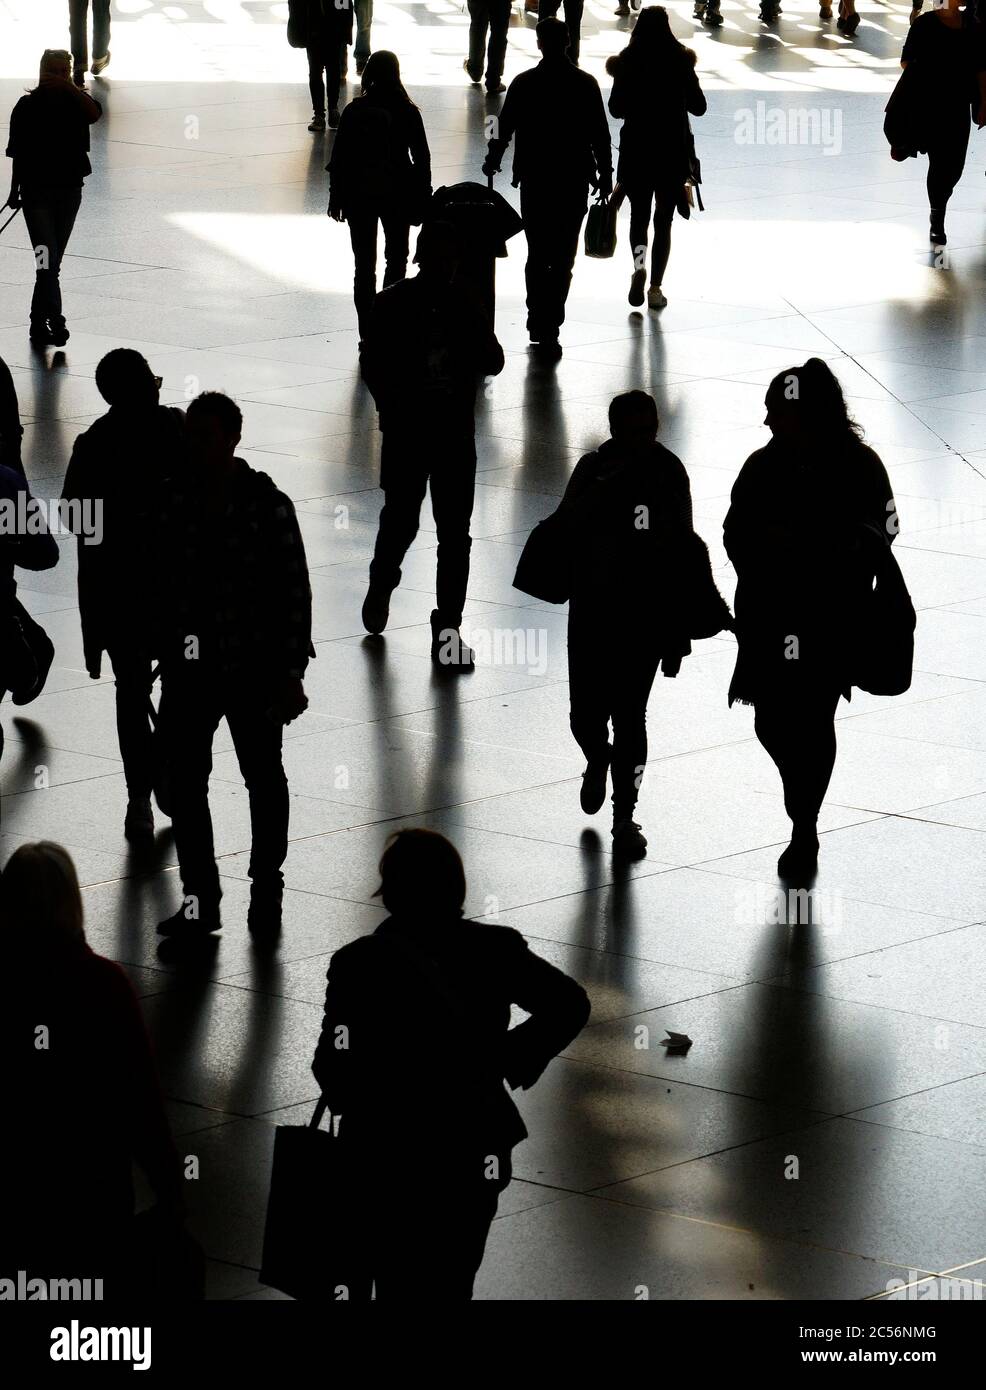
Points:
x=325, y=30
x=79, y=27
x=488, y=18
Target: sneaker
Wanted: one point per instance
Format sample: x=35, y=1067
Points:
x=494, y=89
x=628, y=840
x=474, y=77
x=59, y=335
x=376, y=610
x=547, y=349
x=936, y=231
x=182, y=927
x=40, y=334
x=79, y=77
x=334, y=118
x=637, y=283
x=100, y=64
x=317, y=122
x=138, y=824
x=713, y=18
x=593, y=792
x=799, y=862
x=264, y=912
x=448, y=649
x=656, y=298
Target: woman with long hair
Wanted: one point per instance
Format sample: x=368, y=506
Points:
x=380, y=173
x=808, y=516
x=655, y=86
x=49, y=146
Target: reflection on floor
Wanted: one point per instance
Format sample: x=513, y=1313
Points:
x=855, y=1044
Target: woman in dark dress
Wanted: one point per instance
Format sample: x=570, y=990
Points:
x=807, y=517
x=654, y=88
x=379, y=173
x=49, y=146
x=948, y=51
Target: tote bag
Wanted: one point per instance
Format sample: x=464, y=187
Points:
x=302, y=1209
x=885, y=636
x=544, y=569
x=600, y=229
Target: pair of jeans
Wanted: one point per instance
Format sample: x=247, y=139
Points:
x=609, y=681
x=946, y=161
x=797, y=729
x=490, y=17
x=324, y=81
x=363, y=235
x=553, y=215
x=643, y=196
x=132, y=668
x=408, y=466
x=79, y=30
x=363, y=11
x=50, y=213
x=548, y=9
x=193, y=702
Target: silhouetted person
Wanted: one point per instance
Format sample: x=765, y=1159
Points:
x=81, y=1079
x=488, y=20
x=800, y=533
x=26, y=651
x=116, y=470
x=234, y=639
x=11, y=429
x=548, y=9
x=654, y=88
x=427, y=345
x=630, y=510
x=327, y=30
x=379, y=173
x=79, y=28
x=556, y=113
x=428, y=1127
x=49, y=146
x=948, y=49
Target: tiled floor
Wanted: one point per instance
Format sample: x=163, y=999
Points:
x=824, y=1137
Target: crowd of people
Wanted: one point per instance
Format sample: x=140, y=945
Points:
x=200, y=580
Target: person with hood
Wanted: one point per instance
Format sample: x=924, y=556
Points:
x=379, y=175
x=427, y=1131
x=655, y=87
x=117, y=468
x=49, y=147
x=556, y=115
x=233, y=621
x=632, y=550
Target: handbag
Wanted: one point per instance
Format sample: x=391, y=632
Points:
x=304, y=1194
x=600, y=230
x=297, y=24
x=884, y=655
x=691, y=192
x=904, y=115
x=26, y=654
x=544, y=569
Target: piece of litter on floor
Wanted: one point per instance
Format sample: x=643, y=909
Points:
x=677, y=1042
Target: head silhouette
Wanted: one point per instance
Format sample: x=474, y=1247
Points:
x=633, y=420
x=421, y=872
x=382, y=75
x=437, y=251
x=806, y=403
x=40, y=900
x=55, y=62
x=552, y=37
x=124, y=379
x=214, y=426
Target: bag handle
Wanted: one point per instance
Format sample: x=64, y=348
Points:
x=321, y=1105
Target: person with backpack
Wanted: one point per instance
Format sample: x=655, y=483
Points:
x=427, y=1127
x=655, y=86
x=809, y=516
x=379, y=175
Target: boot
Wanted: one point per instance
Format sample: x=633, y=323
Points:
x=447, y=647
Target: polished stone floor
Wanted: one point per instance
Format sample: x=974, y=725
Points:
x=825, y=1135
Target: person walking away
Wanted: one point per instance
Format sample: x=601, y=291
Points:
x=117, y=468
x=325, y=30
x=233, y=632
x=655, y=87
x=49, y=147
x=555, y=114
x=428, y=344
x=488, y=18
x=573, y=9
x=79, y=31
x=807, y=518
x=379, y=175
x=437, y=978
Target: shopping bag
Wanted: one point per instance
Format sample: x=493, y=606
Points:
x=304, y=1194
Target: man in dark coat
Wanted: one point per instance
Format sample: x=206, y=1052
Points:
x=415, y=1048
x=556, y=114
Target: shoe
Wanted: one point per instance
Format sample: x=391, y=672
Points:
x=825, y=12
x=851, y=24
x=637, y=283
x=360, y=65
x=628, y=840
x=713, y=19
x=447, y=647
x=59, y=335
x=474, y=77
x=181, y=926
x=264, y=912
x=138, y=824
x=699, y=11
x=622, y=10
x=334, y=118
x=44, y=655
x=547, y=349
x=656, y=298
x=100, y=64
x=593, y=792
x=317, y=122
x=799, y=862
x=376, y=610
x=79, y=77
x=40, y=334
x=494, y=89
x=936, y=234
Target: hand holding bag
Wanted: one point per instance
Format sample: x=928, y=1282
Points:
x=303, y=1208
x=600, y=229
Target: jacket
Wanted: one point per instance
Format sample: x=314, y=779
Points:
x=554, y=112
x=656, y=141
x=380, y=158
